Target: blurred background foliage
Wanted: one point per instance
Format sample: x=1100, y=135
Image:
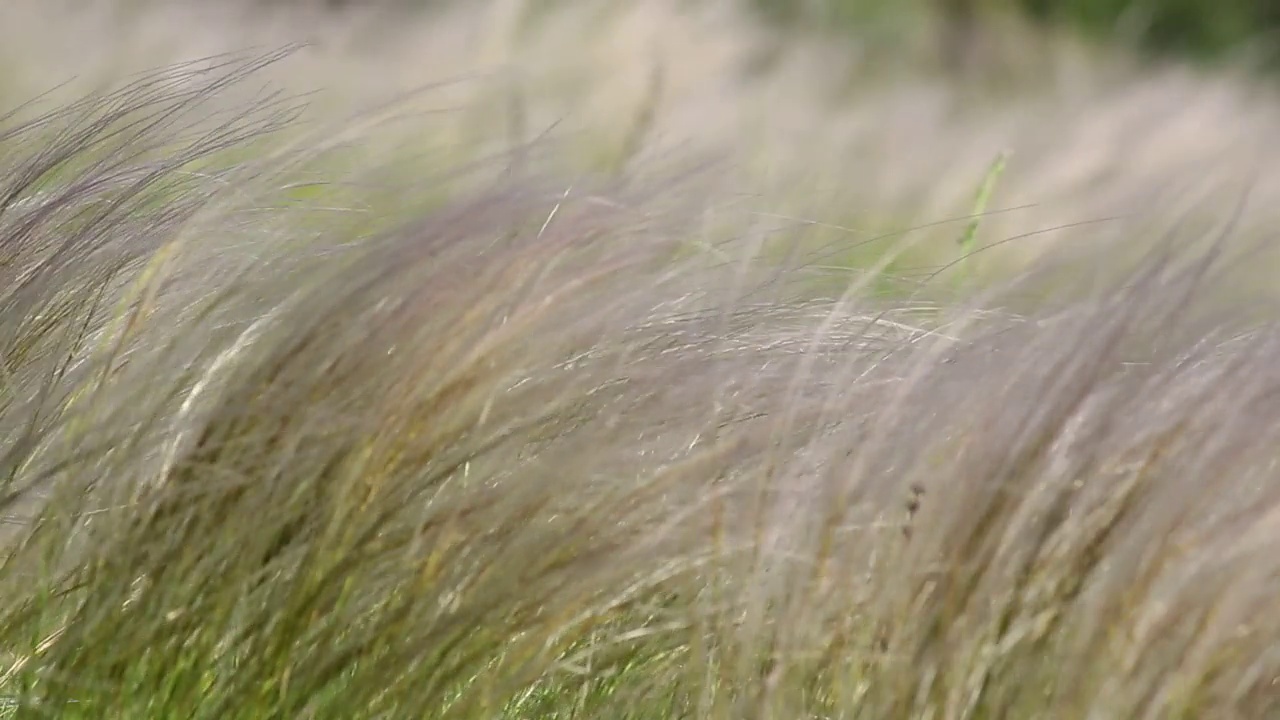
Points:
x=1240, y=31
x=1204, y=30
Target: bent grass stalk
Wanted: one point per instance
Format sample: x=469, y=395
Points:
x=981, y=200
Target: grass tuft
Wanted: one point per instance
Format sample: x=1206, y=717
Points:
x=527, y=451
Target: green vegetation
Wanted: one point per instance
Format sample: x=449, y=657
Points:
x=1195, y=28
x=339, y=409
x=1199, y=29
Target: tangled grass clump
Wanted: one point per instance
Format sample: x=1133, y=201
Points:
x=543, y=453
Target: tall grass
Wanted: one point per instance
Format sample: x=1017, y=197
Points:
x=811, y=129
x=518, y=450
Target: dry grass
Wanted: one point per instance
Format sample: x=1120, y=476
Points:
x=815, y=132
x=291, y=427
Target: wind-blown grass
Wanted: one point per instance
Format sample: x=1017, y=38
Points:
x=528, y=452
x=810, y=129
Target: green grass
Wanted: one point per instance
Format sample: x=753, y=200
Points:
x=348, y=426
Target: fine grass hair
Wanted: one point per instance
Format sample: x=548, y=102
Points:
x=526, y=451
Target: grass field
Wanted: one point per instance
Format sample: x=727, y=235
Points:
x=586, y=365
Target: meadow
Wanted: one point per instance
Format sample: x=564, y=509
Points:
x=600, y=361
